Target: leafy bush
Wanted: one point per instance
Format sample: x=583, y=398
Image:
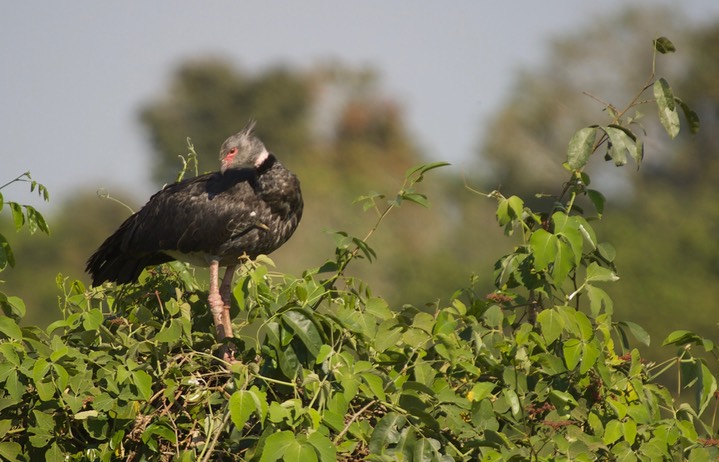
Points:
x=537, y=370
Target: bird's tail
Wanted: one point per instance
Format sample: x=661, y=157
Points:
x=115, y=263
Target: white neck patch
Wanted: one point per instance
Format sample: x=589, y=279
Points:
x=262, y=158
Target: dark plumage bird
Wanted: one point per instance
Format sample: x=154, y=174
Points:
x=250, y=207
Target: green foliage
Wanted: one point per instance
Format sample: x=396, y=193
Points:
x=22, y=215
x=326, y=370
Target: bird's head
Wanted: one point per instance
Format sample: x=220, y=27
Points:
x=243, y=150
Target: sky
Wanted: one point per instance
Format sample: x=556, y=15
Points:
x=75, y=74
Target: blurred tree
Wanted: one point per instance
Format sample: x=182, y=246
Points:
x=667, y=252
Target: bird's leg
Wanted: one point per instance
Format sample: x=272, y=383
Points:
x=225, y=295
x=217, y=306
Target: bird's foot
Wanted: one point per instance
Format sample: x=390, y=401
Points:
x=227, y=352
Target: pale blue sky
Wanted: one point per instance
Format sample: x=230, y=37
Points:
x=75, y=73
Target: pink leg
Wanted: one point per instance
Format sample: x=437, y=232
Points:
x=225, y=295
x=215, y=300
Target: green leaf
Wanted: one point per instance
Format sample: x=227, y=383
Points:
x=590, y=353
x=598, y=200
x=663, y=45
x=622, y=142
x=581, y=147
x=544, y=248
x=596, y=273
x=375, y=384
x=388, y=334
x=386, y=432
x=143, y=382
x=551, y=324
x=10, y=450
x=691, y=116
x=6, y=255
x=324, y=446
x=572, y=352
x=170, y=333
x=629, y=430
x=563, y=401
x=564, y=262
x=637, y=331
x=599, y=301
x=378, y=307
x=299, y=322
x=17, y=216
x=481, y=390
x=276, y=445
x=242, y=405
x=516, y=207
x=612, y=432
x=417, y=198
x=420, y=170
x=706, y=387
x=668, y=115
x=9, y=327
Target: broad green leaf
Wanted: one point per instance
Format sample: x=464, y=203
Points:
x=563, y=401
x=551, y=324
x=681, y=337
x=54, y=453
x=638, y=331
x=629, y=430
x=596, y=273
x=564, y=262
x=581, y=147
x=590, y=353
x=513, y=400
x=388, y=334
x=668, y=115
x=599, y=301
x=61, y=376
x=598, y=200
x=481, y=390
x=386, y=432
x=324, y=446
x=544, y=248
x=242, y=405
x=93, y=319
x=623, y=142
x=417, y=198
x=299, y=322
x=516, y=207
x=567, y=228
x=170, y=333
x=706, y=387
x=143, y=382
x=10, y=450
x=426, y=450
x=276, y=445
x=9, y=352
x=375, y=384
x=586, y=331
x=572, y=352
x=9, y=327
x=612, y=432
x=378, y=307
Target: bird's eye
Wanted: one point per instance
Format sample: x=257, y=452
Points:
x=232, y=151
